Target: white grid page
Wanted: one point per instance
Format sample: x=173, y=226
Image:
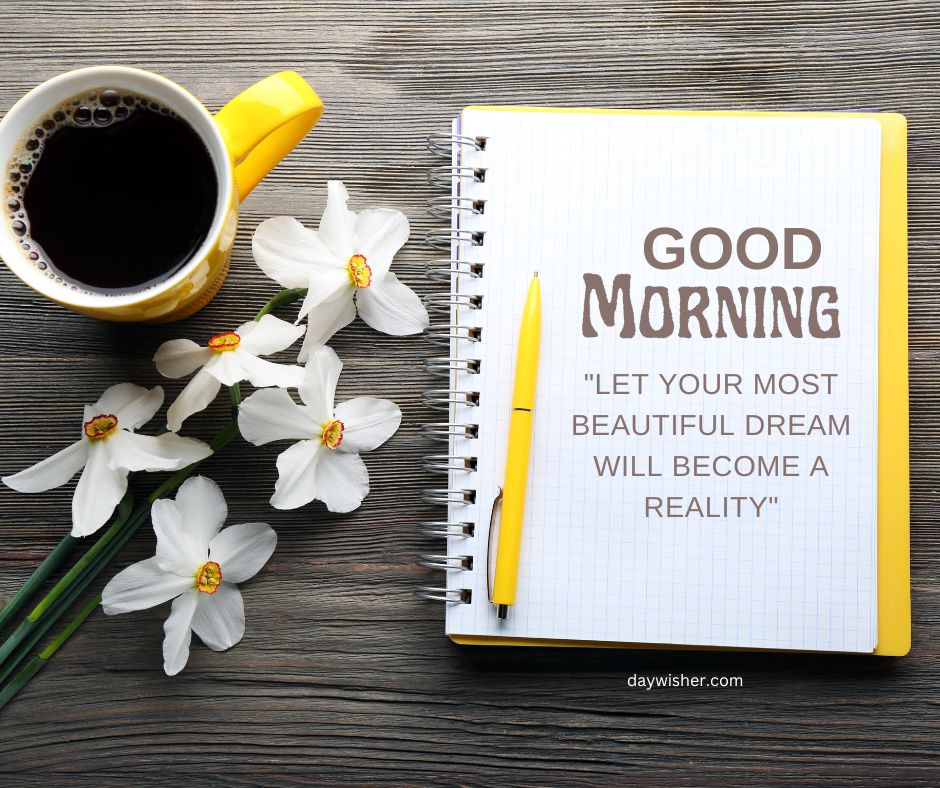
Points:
x=569, y=193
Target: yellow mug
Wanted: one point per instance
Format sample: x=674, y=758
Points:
x=245, y=139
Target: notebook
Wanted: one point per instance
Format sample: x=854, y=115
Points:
x=720, y=455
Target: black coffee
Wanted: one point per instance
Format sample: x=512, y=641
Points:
x=111, y=192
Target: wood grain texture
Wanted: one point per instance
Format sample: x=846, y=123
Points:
x=344, y=676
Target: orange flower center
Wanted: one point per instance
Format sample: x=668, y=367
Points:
x=221, y=343
x=332, y=435
x=359, y=271
x=209, y=577
x=100, y=426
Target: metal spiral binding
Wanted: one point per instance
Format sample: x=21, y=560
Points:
x=438, y=594
x=443, y=529
x=442, y=207
x=442, y=302
x=445, y=463
x=445, y=270
x=446, y=562
x=443, y=334
x=443, y=431
x=464, y=211
x=445, y=496
x=443, y=366
x=444, y=239
x=443, y=144
x=444, y=177
x=442, y=399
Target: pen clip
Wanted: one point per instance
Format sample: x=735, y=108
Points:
x=491, y=545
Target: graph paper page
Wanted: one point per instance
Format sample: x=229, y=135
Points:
x=779, y=556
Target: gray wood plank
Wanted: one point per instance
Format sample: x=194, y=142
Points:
x=343, y=676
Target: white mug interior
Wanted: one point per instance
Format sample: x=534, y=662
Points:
x=47, y=97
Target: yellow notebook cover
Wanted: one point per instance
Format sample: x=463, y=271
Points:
x=893, y=542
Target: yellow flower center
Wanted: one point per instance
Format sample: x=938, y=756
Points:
x=332, y=435
x=359, y=271
x=100, y=426
x=221, y=343
x=209, y=577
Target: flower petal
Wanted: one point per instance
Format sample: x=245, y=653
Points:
x=220, y=617
x=338, y=222
x=133, y=405
x=203, y=509
x=272, y=415
x=241, y=550
x=391, y=307
x=380, y=233
x=197, y=395
x=127, y=451
x=100, y=488
x=318, y=389
x=51, y=472
x=178, y=632
x=142, y=585
x=342, y=481
x=325, y=320
x=324, y=286
x=168, y=452
x=286, y=251
x=179, y=550
x=296, y=480
x=262, y=373
x=180, y=357
x=226, y=368
x=367, y=423
x=268, y=335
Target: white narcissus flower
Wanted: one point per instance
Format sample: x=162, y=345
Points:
x=325, y=465
x=344, y=266
x=197, y=566
x=227, y=358
x=108, y=450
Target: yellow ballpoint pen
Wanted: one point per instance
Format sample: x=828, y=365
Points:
x=517, y=453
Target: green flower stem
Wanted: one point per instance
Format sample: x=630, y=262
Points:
x=19, y=634
x=64, y=594
x=32, y=637
x=39, y=576
x=66, y=633
x=60, y=606
x=38, y=662
x=58, y=601
x=48, y=566
x=123, y=512
x=280, y=299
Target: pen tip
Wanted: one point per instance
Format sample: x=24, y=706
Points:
x=536, y=275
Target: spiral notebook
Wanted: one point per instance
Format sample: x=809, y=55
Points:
x=720, y=446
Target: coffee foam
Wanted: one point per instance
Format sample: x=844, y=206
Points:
x=98, y=108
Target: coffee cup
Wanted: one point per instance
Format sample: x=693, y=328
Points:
x=184, y=170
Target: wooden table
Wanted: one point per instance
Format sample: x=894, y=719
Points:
x=343, y=675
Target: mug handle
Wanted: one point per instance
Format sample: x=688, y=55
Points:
x=264, y=123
